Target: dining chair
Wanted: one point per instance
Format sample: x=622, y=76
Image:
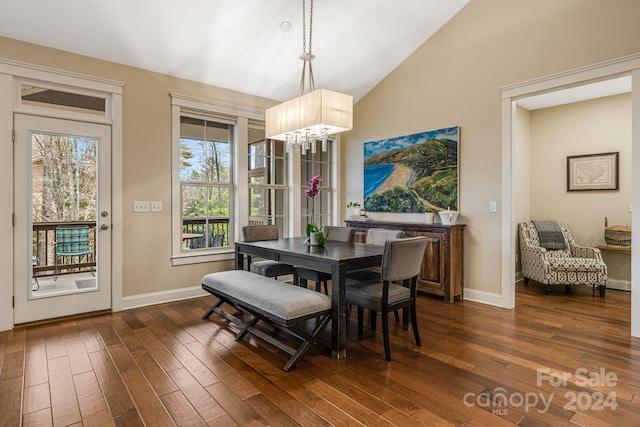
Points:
x=254, y=233
x=401, y=262
x=336, y=234
x=375, y=236
x=218, y=239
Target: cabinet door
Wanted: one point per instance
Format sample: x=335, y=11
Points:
x=431, y=277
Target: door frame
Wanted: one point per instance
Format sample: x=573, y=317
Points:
x=627, y=65
x=10, y=73
x=30, y=306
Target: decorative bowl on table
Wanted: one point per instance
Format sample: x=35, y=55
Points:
x=448, y=217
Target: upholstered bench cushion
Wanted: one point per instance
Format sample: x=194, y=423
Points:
x=277, y=298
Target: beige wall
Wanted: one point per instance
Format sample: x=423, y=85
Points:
x=597, y=126
x=147, y=266
x=455, y=79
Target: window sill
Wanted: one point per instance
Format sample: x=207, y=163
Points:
x=186, y=259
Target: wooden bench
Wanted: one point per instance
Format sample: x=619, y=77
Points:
x=274, y=302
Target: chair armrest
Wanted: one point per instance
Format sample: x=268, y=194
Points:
x=531, y=250
x=586, y=252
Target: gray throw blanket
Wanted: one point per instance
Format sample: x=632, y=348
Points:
x=550, y=235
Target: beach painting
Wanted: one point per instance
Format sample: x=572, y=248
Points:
x=413, y=173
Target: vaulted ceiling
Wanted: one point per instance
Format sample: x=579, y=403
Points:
x=237, y=44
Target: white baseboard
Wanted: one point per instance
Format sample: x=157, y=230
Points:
x=162, y=297
x=622, y=285
x=483, y=297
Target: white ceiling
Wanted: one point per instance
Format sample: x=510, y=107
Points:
x=236, y=44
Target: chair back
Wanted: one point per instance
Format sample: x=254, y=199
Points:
x=73, y=240
x=402, y=258
x=218, y=239
x=254, y=233
x=340, y=234
x=529, y=237
x=378, y=236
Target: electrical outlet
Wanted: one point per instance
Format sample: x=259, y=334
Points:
x=156, y=206
x=493, y=206
x=139, y=206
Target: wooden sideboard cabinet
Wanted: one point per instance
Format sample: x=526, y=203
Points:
x=442, y=267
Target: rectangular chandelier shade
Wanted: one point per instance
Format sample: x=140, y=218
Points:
x=318, y=113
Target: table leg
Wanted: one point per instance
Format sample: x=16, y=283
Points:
x=338, y=313
x=239, y=259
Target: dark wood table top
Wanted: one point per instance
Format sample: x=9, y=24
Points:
x=332, y=251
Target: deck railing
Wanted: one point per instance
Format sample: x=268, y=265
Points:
x=215, y=232
x=44, y=243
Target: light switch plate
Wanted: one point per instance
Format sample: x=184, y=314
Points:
x=493, y=206
x=140, y=206
x=156, y=206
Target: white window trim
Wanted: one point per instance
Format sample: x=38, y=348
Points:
x=239, y=212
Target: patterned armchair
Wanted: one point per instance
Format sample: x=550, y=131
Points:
x=575, y=265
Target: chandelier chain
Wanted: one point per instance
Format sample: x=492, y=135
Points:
x=307, y=56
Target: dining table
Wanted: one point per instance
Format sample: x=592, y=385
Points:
x=336, y=258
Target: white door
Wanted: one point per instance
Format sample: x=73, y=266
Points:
x=62, y=226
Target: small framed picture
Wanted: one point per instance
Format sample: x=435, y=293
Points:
x=592, y=172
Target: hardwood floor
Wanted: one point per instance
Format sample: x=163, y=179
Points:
x=478, y=366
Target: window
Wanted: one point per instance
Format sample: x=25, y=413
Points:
x=226, y=174
x=206, y=187
x=267, y=175
x=312, y=164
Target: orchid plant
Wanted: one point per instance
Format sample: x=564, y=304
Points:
x=311, y=193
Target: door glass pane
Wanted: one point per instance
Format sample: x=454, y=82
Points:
x=63, y=213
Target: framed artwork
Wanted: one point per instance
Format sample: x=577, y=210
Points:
x=592, y=172
x=412, y=173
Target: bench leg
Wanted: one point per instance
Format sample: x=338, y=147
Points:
x=249, y=325
x=307, y=343
x=212, y=310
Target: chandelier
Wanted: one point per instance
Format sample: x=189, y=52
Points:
x=312, y=116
